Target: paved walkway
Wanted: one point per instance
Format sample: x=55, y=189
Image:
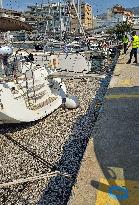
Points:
x=109, y=173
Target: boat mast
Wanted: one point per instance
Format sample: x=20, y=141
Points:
x=78, y=9
x=42, y=4
x=78, y=16
x=1, y=4
x=60, y=18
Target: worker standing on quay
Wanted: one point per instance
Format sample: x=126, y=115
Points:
x=125, y=42
x=135, y=46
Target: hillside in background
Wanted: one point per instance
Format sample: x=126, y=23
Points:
x=135, y=10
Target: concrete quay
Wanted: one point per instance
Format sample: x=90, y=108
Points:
x=109, y=172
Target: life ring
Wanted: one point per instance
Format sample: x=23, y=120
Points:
x=53, y=62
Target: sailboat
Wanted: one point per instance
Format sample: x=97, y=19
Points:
x=31, y=95
x=70, y=61
x=28, y=91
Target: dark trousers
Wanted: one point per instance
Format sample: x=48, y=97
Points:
x=133, y=52
x=125, y=47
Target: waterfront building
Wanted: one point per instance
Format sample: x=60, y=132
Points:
x=12, y=14
x=11, y=35
x=48, y=18
x=85, y=16
x=120, y=14
x=57, y=17
x=135, y=19
x=114, y=16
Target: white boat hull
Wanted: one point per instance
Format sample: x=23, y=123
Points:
x=30, y=99
x=12, y=111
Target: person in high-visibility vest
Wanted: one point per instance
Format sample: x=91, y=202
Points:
x=125, y=43
x=135, y=46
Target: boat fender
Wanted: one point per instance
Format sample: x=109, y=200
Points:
x=62, y=85
x=71, y=102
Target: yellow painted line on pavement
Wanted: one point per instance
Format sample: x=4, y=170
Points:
x=119, y=96
x=118, y=192
x=126, y=82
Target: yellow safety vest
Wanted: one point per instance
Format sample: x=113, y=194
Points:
x=125, y=40
x=138, y=41
x=135, y=42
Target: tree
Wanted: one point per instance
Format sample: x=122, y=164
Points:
x=120, y=29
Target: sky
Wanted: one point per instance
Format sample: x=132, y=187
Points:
x=99, y=6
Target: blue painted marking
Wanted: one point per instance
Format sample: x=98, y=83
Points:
x=122, y=196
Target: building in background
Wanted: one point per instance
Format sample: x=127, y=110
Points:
x=114, y=16
x=136, y=23
x=12, y=35
x=85, y=15
x=57, y=17
x=120, y=14
x=48, y=18
x=12, y=14
x=135, y=19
